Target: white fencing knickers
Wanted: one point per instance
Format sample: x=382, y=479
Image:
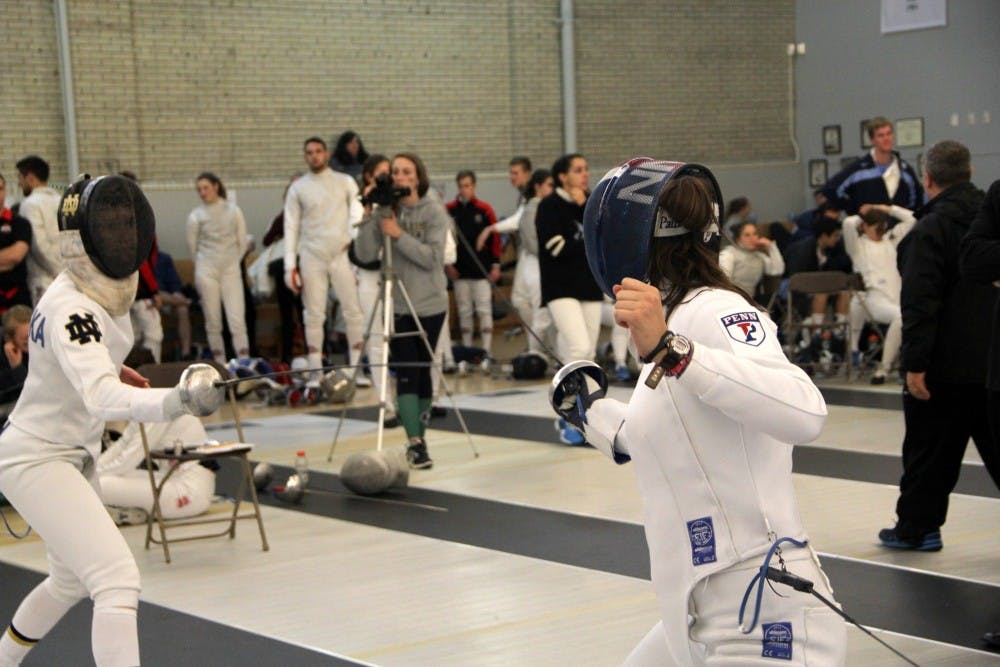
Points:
x=147, y=327
x=369, y=291
x=579, y=324
x=526, y=297
x=318, y=275
x=55, y=490
x=222, y=286
x=884, y=311
x=818, y=635
x=474, y=294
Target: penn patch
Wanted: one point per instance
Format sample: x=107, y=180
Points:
x=744, y=328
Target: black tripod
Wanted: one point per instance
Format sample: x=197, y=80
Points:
x=385, y=298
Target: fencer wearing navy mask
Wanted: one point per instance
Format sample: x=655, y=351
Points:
x=79, y=335
x=709, y=428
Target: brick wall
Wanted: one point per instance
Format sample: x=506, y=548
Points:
x=235, y=87
x=695, y=80
x=31, y=119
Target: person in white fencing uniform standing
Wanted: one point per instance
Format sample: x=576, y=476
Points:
x=709, y=428
x=216, y=239
x=79, y=335
x=320, y=209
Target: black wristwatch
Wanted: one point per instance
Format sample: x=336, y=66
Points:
x=677, y=357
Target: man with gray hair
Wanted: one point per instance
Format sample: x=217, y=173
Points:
x=944, y=347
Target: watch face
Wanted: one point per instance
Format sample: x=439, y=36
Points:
x=681, y=345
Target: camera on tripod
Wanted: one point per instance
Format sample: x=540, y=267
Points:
x=384, y=193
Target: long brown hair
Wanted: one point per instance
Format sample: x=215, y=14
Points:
x=679, y=264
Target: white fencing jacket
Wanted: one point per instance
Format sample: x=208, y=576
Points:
x=712, y=450
x=319, y=212
x=76, y=350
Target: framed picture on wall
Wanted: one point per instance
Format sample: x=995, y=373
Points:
x=817, y=173
x=846, y=161
x=866, y=141
x=920, y=165
x=831, y=139
x=909, y=132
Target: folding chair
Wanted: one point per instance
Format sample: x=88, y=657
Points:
x=812, y=283
x=167, y=375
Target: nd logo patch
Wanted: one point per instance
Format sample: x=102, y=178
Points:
x=744, y=328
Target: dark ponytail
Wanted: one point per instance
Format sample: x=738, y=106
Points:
x=679, y=264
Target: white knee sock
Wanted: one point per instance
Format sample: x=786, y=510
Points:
x=38, y=613
x=114, y=637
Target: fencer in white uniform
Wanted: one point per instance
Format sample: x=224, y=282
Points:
x=872, y=248
x=710, y=429
x=79, y=335
x=320, y=209
x=216, y=239
x=124, y=485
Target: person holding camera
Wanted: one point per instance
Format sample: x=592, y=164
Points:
x=320, y=208
x=412, y=225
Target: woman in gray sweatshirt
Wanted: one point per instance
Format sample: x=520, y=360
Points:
x=415, y=227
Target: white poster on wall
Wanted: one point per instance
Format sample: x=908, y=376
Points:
x=899, y=15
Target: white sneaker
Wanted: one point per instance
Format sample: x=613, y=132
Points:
x=127, y=516
x=484, y=365
x=463, y=368
x=362, y=380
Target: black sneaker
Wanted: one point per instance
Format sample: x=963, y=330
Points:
x=391, y=422
x=417, y=456
x=438, y=411
x=931, y=541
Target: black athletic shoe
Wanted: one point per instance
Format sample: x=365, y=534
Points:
x=392, y=422
x=438, y=411
x=417, y=456
x=992, y=640
x=926, y=542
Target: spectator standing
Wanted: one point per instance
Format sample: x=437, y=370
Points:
x=349, y=155
x=15, y=242
x=471, y=284
x=981, y=264
x=216, y=234
x=568, y=287
x=171, y=293
x=289, y=303
x=40, y=208
x=880, y=177
x=944, y=345
x=321, y=208
x=417, y=234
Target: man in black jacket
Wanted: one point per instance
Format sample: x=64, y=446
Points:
x=981, y=264
x=944, y=344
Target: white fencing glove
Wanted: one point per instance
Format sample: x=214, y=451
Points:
x=602, y=424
